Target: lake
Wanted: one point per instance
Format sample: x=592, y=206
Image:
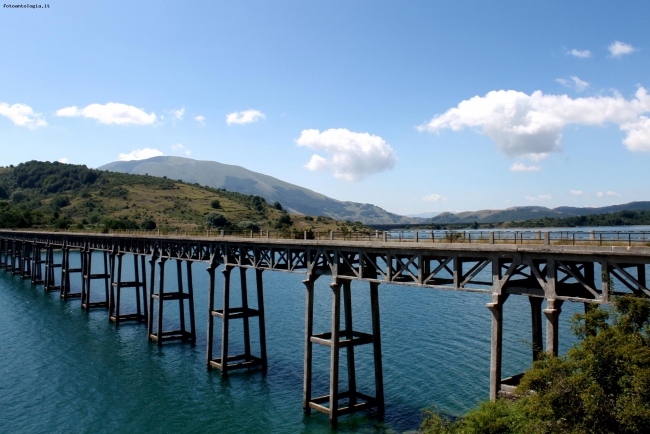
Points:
x=66, y=370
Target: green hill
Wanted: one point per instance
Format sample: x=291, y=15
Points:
x=55, y=195
x=235, y=178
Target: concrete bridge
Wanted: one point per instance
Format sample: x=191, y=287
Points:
x=545, y=267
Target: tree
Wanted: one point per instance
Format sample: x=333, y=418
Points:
x=148, y=225
x=601, y=386
x=215, y=204
x=217, y=220
x=277, y=205
x=283, y=221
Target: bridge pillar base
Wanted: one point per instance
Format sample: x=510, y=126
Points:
x=552, y=313
x=37, y=264
x=26, y=260
x=3, y=253
x=8, y=256
x=226, y=362
x=16, y=258
x=89, y=276
x=338, y=403
x=50, y=267
x=117, y=284
x=66, y=272
x=182, y=334
x=496, y=352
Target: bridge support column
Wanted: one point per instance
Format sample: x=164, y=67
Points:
x=16, y=259
x=6, y=249
x=536, y=325
x=117, y=284
x=227, y=363
x=37, y=264
x=89, y=276
x=26, y=260
x=50, y=267
x=337, y=339
x=552, y=313
x=641, y=278
x=3, y=251
x=182, y=334
x=66, y=271
x=496, y=307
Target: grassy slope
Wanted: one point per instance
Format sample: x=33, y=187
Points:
x=171, y=204
x=235, y=178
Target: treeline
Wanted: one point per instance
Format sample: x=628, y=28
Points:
x=622, y=218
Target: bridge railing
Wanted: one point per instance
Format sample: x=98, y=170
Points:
x=539, y=237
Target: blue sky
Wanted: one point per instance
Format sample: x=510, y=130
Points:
x=414, y=106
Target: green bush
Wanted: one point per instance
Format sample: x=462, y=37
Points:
x=217, y=220
x=601, y=386
x=283, y=221
x=148, y=225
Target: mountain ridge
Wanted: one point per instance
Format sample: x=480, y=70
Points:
x=236, y=178
x=520, y=213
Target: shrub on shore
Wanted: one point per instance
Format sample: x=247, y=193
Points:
x=601, y=386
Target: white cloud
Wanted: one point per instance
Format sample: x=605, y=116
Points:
x=244, y=117
x=22, y=115
x=520, y=167
x=140, y=154
x=618, y=49
x=577, y=192
x=181, y=148
x=68, y=111
x=522, y=124
x=178, y=114
x=434, y=198
x=607, y=193
x=111, y=113
x=538, y=198
x=63, y=160
x=573, y=83
x=200, y=119
x=583, y=54
x=353, y=156
x=638, y=134
x=537, y=157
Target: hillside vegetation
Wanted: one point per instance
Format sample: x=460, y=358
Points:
x=235, y=178
x=533, y=213
x=601, y=386
x=61, y=196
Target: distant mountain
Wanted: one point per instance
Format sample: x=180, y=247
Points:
x=235, y=178
x=520, y=213
x=424, y=215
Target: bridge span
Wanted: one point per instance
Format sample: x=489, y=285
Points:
x=544, y=269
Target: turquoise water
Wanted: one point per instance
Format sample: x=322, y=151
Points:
x=65, y=370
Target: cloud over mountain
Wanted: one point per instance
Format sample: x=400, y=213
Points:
x=352, y=156
x=139, y=154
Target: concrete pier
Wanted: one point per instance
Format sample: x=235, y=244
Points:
x=183, y=333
